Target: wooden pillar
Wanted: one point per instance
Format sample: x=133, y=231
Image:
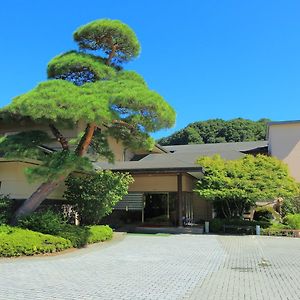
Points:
x=179, y=197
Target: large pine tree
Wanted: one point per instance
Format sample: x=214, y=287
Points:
x=90, y=86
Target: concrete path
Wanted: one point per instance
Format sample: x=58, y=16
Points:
x=161, y=267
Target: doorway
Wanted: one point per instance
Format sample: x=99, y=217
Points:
x=157, y=209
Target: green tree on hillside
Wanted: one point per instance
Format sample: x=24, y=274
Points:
x=236, y=185
x=87, y=88
x=218, y=131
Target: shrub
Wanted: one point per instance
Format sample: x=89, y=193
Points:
x=99, y=233
x=291, y=206
x=94, y=196
x=239, y=222
x=17, y=241
x=292, y=221
x=296, y=204
x=216, y=225
x=266, y=213
x=275, y=228
x=6, y=209
x=81, y=236
x=78, y=235
x=48, y=222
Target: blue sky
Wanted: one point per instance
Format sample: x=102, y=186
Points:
x=209, y=59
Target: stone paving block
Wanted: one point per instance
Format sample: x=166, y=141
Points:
x=176, y=267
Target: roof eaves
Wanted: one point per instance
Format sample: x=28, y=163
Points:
x=160, y=170
x=162, y=148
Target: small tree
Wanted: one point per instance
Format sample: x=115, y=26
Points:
x=238, y=184
x=91, y=89
x=94, y=196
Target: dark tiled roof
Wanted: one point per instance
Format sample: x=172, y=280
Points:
x=183, y=157
x=148, y=165
x=226, y=150
x=283, y=122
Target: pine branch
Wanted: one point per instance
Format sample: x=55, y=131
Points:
x=86, y=139
x=59, y=137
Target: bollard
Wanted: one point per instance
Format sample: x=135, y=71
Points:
x=206, y=226
x=257, y=229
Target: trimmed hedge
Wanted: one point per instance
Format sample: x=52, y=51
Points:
x=216, y=225
x=49, y=222
x=81, y=236
x=15, y=241
x=99, y=233
x=76, y=234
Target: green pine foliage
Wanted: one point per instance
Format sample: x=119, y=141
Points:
x=80, y=66
x=94, y=196
x=58, y=164
x=109, y=33
x=24, y=145
x=236, y=185
x=219, y=131
x=90, y=88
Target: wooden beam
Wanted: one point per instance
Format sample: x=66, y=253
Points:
x=179, y=197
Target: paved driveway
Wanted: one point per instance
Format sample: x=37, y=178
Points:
x=161, y=267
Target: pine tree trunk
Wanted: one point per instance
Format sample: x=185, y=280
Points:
x=111, y=54
x=46, y=188
x=35, y=200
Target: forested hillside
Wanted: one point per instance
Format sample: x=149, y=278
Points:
x=218, y=131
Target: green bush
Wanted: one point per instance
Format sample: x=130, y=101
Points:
x=266, y=213
x=216, y=225
x=16, y=241
x=6, y=209
x=95, y=195
x=275, y=228
x=292, y=221
x=81, y=236
x=76, y=234
x=48, y=222
x=99, y=233
x=240, y=222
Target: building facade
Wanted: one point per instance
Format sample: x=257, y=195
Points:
x=164, y=178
